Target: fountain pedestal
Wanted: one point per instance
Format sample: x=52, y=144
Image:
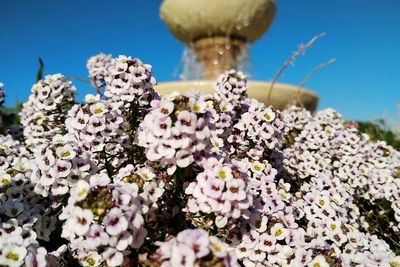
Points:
x=217, y=54
x=217, y=31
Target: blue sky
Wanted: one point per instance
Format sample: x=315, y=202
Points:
x=363, y=35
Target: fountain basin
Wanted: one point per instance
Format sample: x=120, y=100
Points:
x=192, y=20
x=282, y=96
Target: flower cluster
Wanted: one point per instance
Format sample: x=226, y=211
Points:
x=150, y=187
x=342, y=175
x=220, y=190
x=131, y=178
x=25, y=217
x=172, y=135
x=129, y=84
x=98, y=129
x=14, y=174
x=194, y=248
x=260, y=128
x=232, y=88
x=19, y=247
x=98, y=69
x=59, y=165
x=103, y=221
x=43, y=115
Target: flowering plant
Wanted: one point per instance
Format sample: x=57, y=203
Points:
x=132, y=178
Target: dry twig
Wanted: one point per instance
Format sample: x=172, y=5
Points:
x=301, y=50
x=315, y=70
x=296, y=100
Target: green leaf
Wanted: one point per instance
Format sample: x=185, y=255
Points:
x=39, y=75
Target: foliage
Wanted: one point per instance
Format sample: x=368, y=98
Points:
x=379, y=131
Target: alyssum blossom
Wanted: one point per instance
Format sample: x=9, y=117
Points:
x=133, y=178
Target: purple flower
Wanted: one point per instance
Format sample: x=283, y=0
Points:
x=115, y=222
x=197, y=239
x=186, y=122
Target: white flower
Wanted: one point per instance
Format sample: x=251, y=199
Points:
x=80, y=191
x=93, y=259
x=165, y=108
x=235, y=190
x=279, y=231
x=98, y=109
x=100, y=179
x=334, y=226
x=12, y=255
x=80, y=121
x=113, y=257
x=60, y=139
x=62, y=168
x=217, y=142
x=65, y=152
x=224, y=173
x=4, y=179
x=395, y=262
x=37, y=259
x=146, y=174
x=268, y=115
x=318, y=261
x=153, y=191
x=257, y=167
x=81, y=220
x=115, y=222
x=183, y=158
x=46, y=161
x=121, y=241
x=198, y=107
x=92, y=99
x=217, y=247
x=221, y=221
x=182, y=256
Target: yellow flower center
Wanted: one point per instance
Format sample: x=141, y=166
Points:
x=5, y=181
x=4, y=146
x=82, y=192
x=98, y=110
x=196, y=108
x=278, y=232
x=216, y=247
x=99, y=211
x=65, y=154
x=12, y=256
x=222, y=174
x=90, y=261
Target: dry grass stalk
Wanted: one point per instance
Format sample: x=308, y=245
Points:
x=301, y=50
x=296, y=98
x=315, y=70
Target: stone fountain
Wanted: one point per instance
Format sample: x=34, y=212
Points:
x=218, y=31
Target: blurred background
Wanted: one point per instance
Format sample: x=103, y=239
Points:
x=363, y=36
